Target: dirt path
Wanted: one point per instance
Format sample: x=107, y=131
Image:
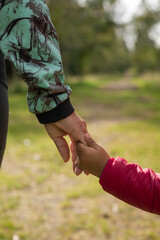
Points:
x=63, y=206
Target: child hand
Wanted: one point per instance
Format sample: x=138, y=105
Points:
x=91, y=158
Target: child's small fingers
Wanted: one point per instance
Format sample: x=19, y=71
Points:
x=78, y=171
x=77, y=162
x=87, y=173
x=76, y=167
x=79, y=145
x=80, y=148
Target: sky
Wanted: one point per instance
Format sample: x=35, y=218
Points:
x=124, y=12
x=126, y=9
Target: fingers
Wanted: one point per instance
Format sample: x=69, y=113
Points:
x=76, y=128
x=57, y=135
x=76, y=164
x=87, y=173
x=76, y=169
x=84, y=127
x=73, y=151
x=82, y=133
x=90, y=142
x=80, y=148
x=62, y=147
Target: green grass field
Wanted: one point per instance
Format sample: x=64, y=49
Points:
x=40, y=196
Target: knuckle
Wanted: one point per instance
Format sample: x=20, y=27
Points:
x=83, y=121
x=84, y=126
x=91, y=140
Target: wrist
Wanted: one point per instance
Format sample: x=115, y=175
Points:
x=60, y=112
x=102, y=166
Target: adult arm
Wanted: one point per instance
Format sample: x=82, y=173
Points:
x=132, y=184
x=128, y=182
x=29, y=41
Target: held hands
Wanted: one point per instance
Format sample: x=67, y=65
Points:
x=73, y=126
x=91, y=158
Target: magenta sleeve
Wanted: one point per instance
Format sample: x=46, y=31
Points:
x=132, y=184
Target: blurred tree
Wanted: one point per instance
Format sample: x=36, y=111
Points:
x=88, y=38
x=74, y=34
x=90, y=41
x=110, y=53
x=146, y=53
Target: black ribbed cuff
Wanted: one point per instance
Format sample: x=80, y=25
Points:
x=60, y=112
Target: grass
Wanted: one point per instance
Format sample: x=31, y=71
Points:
x=40, y=196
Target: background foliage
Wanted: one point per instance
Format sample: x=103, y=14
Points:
x=40, y=196
x=93, y=40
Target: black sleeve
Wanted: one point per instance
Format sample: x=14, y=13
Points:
x=3, y=107
x=60, y=112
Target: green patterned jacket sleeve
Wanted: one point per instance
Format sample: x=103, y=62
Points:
x=29, y=40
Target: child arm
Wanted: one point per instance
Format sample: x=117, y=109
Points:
x=128, y=182
x=132, y=184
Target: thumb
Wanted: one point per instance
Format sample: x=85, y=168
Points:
x=90, y=142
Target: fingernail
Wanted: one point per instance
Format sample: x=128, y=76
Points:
x=77, y=171
x=66, y=160
x=87, y=174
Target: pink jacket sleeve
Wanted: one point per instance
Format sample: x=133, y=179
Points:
x=132, y=184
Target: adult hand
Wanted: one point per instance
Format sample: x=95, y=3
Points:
x=76, y=128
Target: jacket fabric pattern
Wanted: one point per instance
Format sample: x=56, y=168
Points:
x=28, y=39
